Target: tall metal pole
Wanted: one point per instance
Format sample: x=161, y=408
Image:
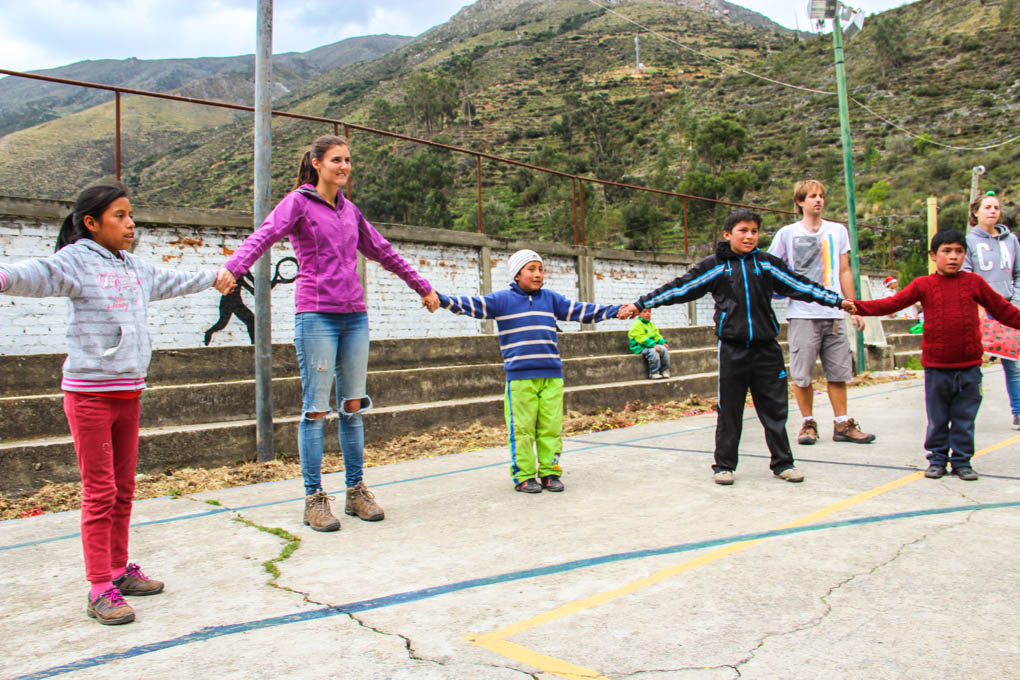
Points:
x=848, y=173
x=263, y=197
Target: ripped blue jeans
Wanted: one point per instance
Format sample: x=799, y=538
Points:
x=331, y=349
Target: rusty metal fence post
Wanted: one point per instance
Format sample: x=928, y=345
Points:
x=479, y=168
x=116, y=144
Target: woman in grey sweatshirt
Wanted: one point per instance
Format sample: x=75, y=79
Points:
x=993, y=252
x=108, y=352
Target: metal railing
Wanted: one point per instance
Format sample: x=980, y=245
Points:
x=577, y=181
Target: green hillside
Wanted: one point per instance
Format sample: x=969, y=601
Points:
x=553, y=83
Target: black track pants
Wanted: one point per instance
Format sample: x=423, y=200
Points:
x=759, y=367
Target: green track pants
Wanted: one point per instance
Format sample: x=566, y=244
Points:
x=534, y=419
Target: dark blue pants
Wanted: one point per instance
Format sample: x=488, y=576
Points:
x=951, y=397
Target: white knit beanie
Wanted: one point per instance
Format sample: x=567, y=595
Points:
x=519, y=259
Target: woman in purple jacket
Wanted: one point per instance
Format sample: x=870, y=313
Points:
x=331, y=324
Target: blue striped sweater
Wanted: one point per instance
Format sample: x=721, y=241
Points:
x=527, y=325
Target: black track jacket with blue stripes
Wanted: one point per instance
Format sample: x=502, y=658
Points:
x=742, y=286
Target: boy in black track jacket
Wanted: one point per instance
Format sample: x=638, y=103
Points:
x=741, y=279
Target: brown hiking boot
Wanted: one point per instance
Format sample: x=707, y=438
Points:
x=848, y=431
x=808, y=432
x=110, y=609
x=361, y=503
x=317, y=513
x=134, y=582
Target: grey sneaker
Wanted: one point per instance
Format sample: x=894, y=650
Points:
x=317, y=513
x=361, y=503
x=965, y=473
x=935, y=471
x=1016, y=421
x=791, y=475
x=724, y=477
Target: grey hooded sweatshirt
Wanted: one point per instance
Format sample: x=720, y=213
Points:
x=996, y=258
x=108, y=346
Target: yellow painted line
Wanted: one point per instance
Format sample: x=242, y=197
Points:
x=496, y=640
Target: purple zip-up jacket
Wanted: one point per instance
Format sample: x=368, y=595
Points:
x=326, y=242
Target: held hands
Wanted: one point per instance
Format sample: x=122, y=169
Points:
x=627, y=311
x=225, y=282
x=849, y=307
x=430, y=301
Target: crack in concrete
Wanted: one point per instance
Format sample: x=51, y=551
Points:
x=294, y=542
x=414, y=656
x=816, y=621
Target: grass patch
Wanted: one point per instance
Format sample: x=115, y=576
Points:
x=293, y=543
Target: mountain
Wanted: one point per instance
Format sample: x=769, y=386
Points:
x=25, y=102
x=553, y=83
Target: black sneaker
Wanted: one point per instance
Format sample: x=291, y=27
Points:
x=552, y=483
x=529, y=486
x=935, y=471
x=965, y=473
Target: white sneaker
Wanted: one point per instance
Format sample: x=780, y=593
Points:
x=791, y=475
x=665, y=374
x=656, y=376
x=724, y=477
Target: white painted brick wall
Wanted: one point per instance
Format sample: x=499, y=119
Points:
x=34, y=326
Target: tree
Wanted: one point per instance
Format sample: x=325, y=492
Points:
x=888, y=38
x=463, y=70
x=432, y=100
x=408, y=189
x=719, y=141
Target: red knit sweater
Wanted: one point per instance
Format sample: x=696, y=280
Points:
x=952, y=331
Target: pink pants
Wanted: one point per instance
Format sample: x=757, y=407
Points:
x=105, y=432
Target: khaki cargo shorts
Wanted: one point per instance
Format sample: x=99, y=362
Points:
x=810, y=339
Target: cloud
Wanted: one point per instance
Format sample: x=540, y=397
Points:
x=39, y=35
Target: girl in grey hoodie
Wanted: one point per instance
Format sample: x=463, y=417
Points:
x=993, y=253
x=108, y=352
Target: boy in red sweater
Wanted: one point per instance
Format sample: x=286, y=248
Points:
x=950, y=349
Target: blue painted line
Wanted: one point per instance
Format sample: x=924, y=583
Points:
x=212, y=632
x=870, y=466
x=221, y=510
x=591, y=447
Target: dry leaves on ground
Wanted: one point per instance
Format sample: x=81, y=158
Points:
x=174, y=483
x=180, y=482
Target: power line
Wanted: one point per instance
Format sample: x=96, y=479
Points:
x=927, y=138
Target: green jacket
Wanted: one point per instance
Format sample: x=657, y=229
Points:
x=644, y=334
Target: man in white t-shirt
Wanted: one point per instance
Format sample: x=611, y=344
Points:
x=819, y=250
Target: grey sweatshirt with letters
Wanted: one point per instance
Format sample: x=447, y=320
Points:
x=108, y=345
x=996, y=259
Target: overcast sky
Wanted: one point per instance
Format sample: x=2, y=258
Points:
x=49, y=33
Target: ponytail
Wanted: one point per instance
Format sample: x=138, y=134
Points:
x=307, y=174
x=92, y=202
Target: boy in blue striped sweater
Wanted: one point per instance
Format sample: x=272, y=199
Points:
x=526, y=318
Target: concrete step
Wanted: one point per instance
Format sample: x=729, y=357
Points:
x=904, y=341
x=42, y=416
x=40, y=373
x=27, y=465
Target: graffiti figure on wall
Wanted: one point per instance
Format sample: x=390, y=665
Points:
x=233, y=305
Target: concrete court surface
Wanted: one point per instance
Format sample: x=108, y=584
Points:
x=643, y=568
